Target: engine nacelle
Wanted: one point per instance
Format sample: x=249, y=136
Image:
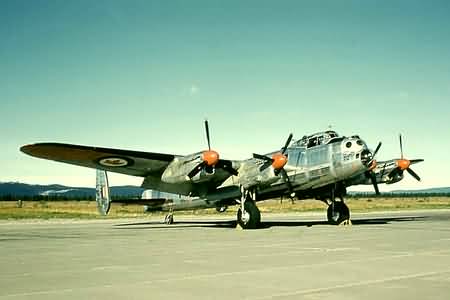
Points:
x=395, y=178
x=252, y=176
x=177, y=170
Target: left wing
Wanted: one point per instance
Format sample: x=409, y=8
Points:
x=128, y=162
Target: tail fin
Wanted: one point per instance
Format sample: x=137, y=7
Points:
x=102, y=196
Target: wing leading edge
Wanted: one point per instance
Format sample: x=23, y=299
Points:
x=128, y=162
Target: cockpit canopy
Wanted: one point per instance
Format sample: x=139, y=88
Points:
x=316, y=139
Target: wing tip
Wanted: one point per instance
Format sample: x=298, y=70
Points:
x=34, y=149
x=26, y=148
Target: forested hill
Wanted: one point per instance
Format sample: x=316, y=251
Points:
x=17, y=189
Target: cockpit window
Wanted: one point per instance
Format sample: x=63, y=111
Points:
x=336, y=139
x=313, y=142
x=317, y=139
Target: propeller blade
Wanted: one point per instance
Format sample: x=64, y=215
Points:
x=262, y=157
x=288, y=183
x=376, y=150
x=415, y=161
x=196, y=170
x=413, y=174
x=373, y=178
x=207, y=134
x=401, y=146
x=383, y=170
x=283, y=150
x=277, y=157
x=227, y=166
x=267, y=161
x=265, y=165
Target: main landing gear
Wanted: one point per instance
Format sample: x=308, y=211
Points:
x=337, y=211
x=168, y=220
x=248, y=215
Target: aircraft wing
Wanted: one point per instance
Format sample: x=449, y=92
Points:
x=128, y=162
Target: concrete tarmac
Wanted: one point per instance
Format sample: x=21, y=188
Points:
x=402, y=255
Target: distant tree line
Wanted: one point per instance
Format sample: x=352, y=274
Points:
x=396, y=195
x=59, y=198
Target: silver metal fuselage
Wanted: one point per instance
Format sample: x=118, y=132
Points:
x=327, y=163
x=313, y=162
x=312, y=166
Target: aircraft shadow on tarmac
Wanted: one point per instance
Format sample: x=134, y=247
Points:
x=266, y=224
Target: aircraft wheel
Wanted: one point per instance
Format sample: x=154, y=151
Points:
x=339, y=214
x=251, y=217
x=168, y=219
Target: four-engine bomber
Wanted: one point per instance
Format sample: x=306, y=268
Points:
x=320, y=165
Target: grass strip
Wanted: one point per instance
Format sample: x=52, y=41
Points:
x=88, y=209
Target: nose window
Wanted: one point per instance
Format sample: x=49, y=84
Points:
x=348, y=144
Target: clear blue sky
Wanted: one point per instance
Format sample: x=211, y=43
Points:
x=143, y=75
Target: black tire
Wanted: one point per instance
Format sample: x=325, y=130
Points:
x=254, y=216
x=168, y=219
x=341, y=213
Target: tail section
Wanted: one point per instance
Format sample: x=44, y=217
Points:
x=102, y=196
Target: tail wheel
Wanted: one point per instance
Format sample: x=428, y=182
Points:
x=338, y=214
x=250, y=218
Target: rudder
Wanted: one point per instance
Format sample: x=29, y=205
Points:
x=102, y=196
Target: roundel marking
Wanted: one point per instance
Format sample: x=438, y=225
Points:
x=114, y=161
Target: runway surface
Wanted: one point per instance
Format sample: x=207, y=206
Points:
x=382, y=256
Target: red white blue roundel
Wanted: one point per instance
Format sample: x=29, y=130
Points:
x=114, y=162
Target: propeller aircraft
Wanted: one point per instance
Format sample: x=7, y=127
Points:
x=320, y=166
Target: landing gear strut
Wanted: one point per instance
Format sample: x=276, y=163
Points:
x=248, y=215
x=337, y=211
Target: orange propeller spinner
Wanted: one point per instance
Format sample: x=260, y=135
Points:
x=278, y=161
x=403, y=164
x=210, y=159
